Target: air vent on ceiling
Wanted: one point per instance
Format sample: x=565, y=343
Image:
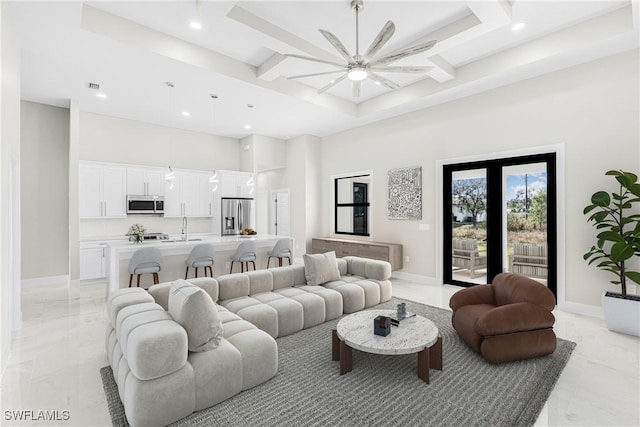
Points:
x=94, y=86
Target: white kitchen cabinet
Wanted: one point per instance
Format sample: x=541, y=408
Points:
x=145, y=182
x=93, y=262
x=236, y=184
x=190, y=196
x=102, y=192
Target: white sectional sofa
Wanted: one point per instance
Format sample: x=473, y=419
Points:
x=165, y=370
x=159, y=380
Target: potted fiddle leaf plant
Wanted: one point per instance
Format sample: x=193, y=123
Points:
x=616, y=217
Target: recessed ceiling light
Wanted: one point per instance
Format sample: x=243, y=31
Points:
x=247, y=126
x=518, y=26
x=195, y=25
x=101, y=95
x=186, y=113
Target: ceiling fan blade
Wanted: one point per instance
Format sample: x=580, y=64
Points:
x=355, y=90
x=338, y=45
x=310, y=58
x=315, y=74
x=385, y=82
x=413, y=50
x=381, y=39
x=332, y=83
x=401, y=69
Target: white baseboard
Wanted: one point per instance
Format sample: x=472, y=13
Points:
x=416, y=278
x=46, y=281
x=583, y=309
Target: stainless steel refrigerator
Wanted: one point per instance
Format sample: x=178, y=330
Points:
x=237, y=214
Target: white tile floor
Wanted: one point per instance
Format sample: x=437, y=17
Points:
x=57, y=355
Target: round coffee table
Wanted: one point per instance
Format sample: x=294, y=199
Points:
x=413, y=335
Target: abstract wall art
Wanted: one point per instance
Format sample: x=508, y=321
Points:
x=405, y=193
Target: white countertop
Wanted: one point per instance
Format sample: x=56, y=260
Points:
x=221, y=242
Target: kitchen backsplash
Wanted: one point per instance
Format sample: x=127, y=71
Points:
x=153, y=224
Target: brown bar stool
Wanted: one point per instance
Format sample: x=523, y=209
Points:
x=200, y=256
x=281, y=250
x=143, y=261
x=245, y=254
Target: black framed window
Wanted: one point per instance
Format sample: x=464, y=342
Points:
x=351, y=210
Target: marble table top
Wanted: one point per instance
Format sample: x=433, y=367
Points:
x=411, y=336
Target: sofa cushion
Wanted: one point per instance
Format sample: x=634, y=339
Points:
x=124, y=298
x=321, y=268
x=233, y=286
x=160, y=292
x=282, y=277
x=260, y=281
x=194, y=309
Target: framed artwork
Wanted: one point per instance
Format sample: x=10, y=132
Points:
x=405, y=193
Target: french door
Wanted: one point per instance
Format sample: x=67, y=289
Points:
x=500, y=215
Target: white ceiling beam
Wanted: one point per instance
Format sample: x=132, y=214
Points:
x=267, y=70
x=270, y=69
x=131, y=33
x=495, y=12
x=256, y=23
x=442, y=71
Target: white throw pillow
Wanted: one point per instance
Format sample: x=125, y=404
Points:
x=320, y=268
x=193, y=308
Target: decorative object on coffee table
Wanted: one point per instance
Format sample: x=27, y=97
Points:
x=415, y=335
x=381, y=326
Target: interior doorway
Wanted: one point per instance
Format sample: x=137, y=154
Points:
x=279, y=216
x=500, y=215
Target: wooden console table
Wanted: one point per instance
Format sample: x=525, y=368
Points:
x=390, y=252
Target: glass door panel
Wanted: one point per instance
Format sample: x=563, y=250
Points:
x=500, y=215
x=525, y=223
x=469, y=226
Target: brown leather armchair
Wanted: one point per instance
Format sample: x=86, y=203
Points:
x=507, y=320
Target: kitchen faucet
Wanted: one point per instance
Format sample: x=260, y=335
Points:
x=185, y=228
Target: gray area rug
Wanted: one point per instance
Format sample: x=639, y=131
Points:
x=382, y=390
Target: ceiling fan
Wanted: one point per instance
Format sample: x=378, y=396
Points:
x=360, y=67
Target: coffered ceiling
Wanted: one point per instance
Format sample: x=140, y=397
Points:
x=131, y=49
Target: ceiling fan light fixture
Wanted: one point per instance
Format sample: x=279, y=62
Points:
x=357, y=74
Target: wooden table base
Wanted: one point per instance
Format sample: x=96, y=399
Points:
x=429, y=358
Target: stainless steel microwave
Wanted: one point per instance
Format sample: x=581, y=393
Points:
x=153, y=205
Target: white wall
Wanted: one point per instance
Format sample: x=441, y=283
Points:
x=10, y=312
x=45, y=190
x=111, y=139
x=593, y=109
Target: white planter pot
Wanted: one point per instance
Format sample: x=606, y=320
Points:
x=621, y=315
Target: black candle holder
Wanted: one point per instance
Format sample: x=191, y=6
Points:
x=382, y=326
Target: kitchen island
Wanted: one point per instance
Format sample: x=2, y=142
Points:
x=174, y=253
